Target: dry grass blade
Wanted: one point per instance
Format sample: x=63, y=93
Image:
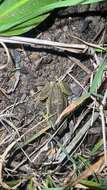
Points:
x=17, y=132
x=8, y=56
x=80, y=118
x=11, y=125
x=2, y=160
x=77, y=138
x=77, y=48
x=72, y=107
x=103, y=124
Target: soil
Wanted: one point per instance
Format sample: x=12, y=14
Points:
x=36, y=66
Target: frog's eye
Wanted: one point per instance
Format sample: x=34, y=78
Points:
x=44, y=92
x=65, y=88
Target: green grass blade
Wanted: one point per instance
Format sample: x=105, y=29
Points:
x=98, y=77
x=104, y=184
x=91, y=184
x=96, y=147
x=30, y=185
x=56, y=188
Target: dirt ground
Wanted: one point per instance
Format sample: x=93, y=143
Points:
x=35, y=67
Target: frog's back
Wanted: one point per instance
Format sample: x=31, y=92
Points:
x=56, y=101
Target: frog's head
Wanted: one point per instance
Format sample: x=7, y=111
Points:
x=64, y=87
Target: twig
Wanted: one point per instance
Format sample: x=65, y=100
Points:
x=76, y=81
x=66, y=72
x=83, y=67
x=89, y=44
x=32, y=41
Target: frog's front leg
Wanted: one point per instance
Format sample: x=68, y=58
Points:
x=43, y=96
x=44, y=93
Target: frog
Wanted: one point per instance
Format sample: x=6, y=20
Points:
x=55, y=94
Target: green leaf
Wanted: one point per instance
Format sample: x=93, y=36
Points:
x=20, y=16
